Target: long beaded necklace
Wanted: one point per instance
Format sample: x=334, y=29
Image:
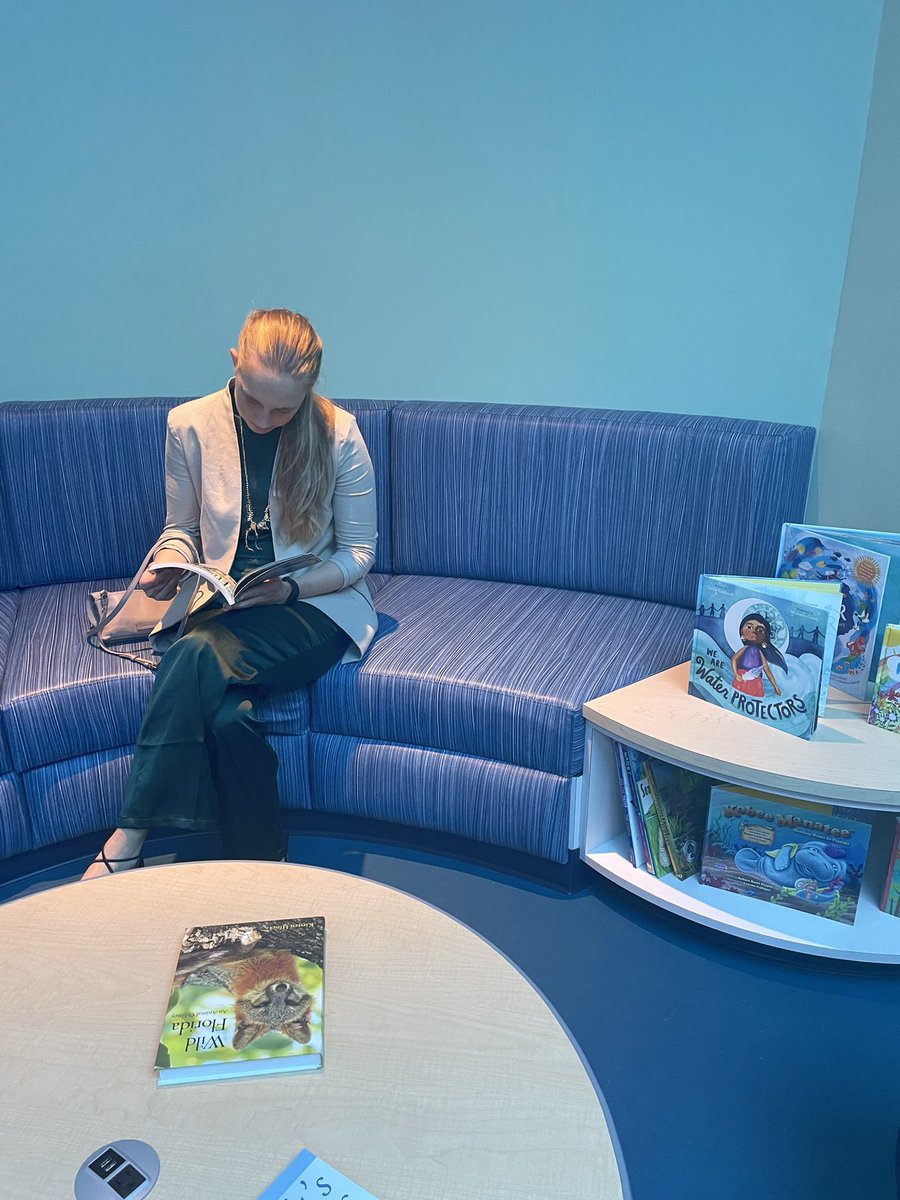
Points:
x=254, y=527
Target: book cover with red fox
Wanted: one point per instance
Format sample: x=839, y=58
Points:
x=245, y=1000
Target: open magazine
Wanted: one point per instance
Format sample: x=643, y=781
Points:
x=233, y=589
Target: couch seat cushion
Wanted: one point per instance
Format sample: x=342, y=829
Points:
x=9, y=604
x=62, y=699
x=496, y=670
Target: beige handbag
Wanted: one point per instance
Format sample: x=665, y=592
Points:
x=133, y=616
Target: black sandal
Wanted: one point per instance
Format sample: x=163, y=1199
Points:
x=137, y=859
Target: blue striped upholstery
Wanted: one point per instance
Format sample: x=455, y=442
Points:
x=62, y=699
x=76, y=796
x=9, y=603
x=628, y=503
x=293, y=768
x=84, y=793
x=496, y=803
x=508, y=539
x=495, y=670
x=101, y=463
x=106, y=513
x=15, y=828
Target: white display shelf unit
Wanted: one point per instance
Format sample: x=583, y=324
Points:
x=846, y=762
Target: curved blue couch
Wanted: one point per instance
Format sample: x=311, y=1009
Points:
x=529, y=558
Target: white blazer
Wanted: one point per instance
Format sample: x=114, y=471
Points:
x=203, y=507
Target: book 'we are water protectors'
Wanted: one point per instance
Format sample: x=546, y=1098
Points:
x=762, y=648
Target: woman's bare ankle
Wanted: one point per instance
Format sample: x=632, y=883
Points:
x=121, y=852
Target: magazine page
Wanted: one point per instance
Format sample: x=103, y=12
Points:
x=220, y=580
x=275, y=570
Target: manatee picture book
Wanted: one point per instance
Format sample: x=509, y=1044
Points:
x=796, y=853
x=761, y=648
x=245, y=1000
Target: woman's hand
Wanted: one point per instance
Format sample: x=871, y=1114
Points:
x=270, y=591
x=162, y=585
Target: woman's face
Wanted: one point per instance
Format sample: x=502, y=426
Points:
x=753, y=631
x=267, y=401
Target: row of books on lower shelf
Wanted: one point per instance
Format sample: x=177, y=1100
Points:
x=803, y=855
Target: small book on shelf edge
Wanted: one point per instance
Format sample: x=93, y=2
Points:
x=246, y=999
x=890, y=896
x=655, y=851
x=884, y=711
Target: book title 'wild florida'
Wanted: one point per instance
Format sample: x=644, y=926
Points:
x=245, y=1000
x=762, y=648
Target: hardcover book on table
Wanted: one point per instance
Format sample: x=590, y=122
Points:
x=245, y=1000
x=802, y=855
x=885, y=708
x=858, y=561
x=761, y=648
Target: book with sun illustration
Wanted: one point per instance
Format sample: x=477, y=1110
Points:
x=761, y=648
x=858, y=560
x=246, y=1000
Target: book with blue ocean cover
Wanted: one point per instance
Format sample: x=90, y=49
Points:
x=761, y=648
x=799, y=854
x=866, y=567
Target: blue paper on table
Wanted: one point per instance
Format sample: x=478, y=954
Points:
x=311, y=1178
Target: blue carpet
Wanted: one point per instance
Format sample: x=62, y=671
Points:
x=727, y=1072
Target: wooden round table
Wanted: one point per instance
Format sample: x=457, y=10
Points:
x=446, y=1075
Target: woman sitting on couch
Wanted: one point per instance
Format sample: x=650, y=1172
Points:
x=262, y=469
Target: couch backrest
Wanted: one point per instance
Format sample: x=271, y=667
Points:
x=82, y=492
x=634, y=504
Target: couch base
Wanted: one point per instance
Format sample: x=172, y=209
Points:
x=63, y=861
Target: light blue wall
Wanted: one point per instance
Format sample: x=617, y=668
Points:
x=857, y=477
x=633, y=203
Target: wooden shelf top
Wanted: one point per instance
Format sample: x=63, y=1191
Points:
x=847, y=761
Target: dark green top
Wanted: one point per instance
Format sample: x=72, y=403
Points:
x=254, y=550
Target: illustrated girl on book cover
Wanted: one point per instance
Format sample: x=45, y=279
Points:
x=759, y=651
x=751, y=661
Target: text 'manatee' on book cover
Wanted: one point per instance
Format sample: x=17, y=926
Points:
x=760, y=648
x=796, y=853
x=885, y=708
x=245, y=1000
x=866, y=565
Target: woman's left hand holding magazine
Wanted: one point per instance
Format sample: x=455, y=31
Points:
x=162, y=585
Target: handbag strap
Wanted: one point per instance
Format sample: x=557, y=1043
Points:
x=95, y=633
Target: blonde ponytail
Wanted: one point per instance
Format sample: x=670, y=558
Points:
x=285, y=343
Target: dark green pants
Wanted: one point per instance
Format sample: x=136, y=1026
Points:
x=202, y=760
